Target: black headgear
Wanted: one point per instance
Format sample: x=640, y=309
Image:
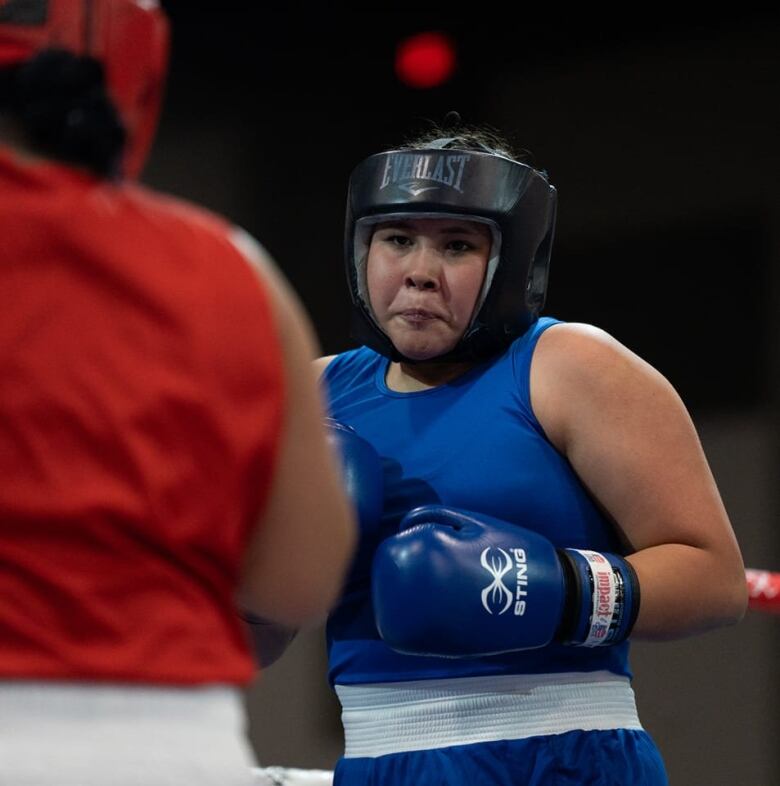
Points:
x=515, y=200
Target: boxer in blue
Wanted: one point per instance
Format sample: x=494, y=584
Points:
x=545, y=494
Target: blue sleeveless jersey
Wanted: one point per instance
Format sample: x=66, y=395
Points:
x=475, y=444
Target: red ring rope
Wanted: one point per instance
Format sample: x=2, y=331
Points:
x=763, y=590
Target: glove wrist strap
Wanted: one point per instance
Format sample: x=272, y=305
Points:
x=602, y=598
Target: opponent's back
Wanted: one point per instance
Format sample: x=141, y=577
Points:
x=140, y=400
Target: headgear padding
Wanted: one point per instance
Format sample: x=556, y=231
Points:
x=515, y=200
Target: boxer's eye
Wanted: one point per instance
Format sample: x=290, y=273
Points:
x=404, y=241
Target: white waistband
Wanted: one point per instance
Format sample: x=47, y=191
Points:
x=395, y=717
x=87, y=734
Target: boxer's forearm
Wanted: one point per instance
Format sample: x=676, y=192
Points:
x=686, y=590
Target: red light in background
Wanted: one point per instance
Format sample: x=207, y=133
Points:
x=425, y=59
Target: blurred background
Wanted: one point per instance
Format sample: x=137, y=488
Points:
x=661, y=134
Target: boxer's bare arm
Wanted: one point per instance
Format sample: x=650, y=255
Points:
x=321, y=363
x=633, y=445
x=301, y=546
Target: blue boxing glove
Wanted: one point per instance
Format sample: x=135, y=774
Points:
x=454, y=584
x=363, y=478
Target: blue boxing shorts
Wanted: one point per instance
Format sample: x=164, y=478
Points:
x=534, y=730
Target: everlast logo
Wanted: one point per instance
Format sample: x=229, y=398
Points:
x=497, y=596
x=411, y=171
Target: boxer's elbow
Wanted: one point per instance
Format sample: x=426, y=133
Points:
x=687, y=590
x=727, y=608
x=729, y=586
x=735, y=599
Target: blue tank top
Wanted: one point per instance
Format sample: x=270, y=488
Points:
x=473, y=443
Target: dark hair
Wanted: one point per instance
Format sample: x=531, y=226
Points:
x=453, y=133
x=59, y=102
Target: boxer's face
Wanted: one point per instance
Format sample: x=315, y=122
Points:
x=424, y=276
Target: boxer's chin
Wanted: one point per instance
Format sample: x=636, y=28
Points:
x=421, y=343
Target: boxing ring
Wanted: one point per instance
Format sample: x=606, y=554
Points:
x=763, y=590
x=285, y=776
x=763, y=597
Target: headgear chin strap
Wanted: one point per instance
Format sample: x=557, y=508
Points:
x=129, y=37
x=517, y=202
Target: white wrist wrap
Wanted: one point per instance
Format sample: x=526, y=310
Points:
x=604, y=597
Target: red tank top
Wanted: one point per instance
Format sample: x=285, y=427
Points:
x=140, y=399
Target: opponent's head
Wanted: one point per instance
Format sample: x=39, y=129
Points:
x=128, y=37
x=459, y=177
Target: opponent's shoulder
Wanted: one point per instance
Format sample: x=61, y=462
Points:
x=321, y=364
x=174, y=210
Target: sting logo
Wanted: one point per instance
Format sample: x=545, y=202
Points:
x=497, y=596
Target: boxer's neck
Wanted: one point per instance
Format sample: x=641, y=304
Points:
x=413, y=377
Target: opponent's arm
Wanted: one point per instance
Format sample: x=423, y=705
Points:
x=364, y=482
x=269, y=639
x=630, y=440
x=362, y=479
x=320, y=364
x=299, y=552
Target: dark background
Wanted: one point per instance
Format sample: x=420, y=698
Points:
x=660, y=133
